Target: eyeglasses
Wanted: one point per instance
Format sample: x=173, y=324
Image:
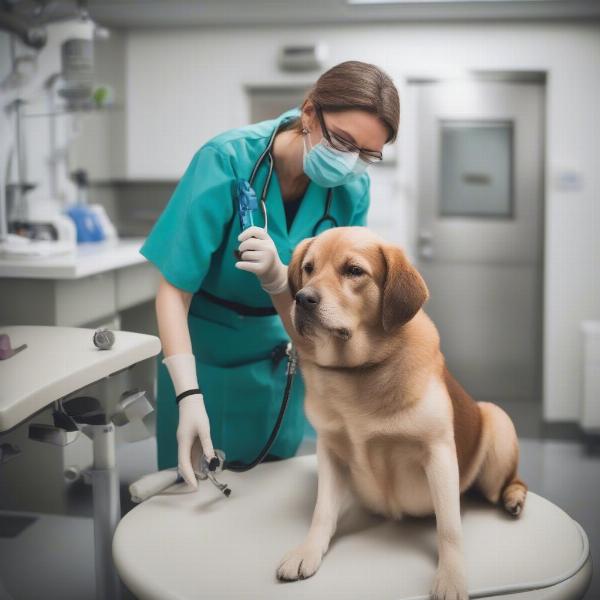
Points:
x=339, y=143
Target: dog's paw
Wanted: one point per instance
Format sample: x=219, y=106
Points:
x=300, y=563
x=449, y=585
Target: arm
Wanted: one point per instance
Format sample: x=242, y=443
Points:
x=172, y=306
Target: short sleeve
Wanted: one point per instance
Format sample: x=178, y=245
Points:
x=193, y=224
x=359, y=216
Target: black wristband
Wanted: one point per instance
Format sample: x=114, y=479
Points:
x=187, y=393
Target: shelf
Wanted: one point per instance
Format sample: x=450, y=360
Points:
x=78, y=111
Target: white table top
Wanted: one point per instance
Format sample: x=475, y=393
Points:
x=88, y=259
x=58, y=361
x=199, y=544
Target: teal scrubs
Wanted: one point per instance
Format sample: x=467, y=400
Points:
x=192, y=244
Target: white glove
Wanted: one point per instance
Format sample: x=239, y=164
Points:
x=259, y=256
x=193, y=420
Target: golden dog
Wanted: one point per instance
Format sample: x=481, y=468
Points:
x=393, y=425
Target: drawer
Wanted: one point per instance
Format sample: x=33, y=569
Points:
x=136, y=284
x=79, y=301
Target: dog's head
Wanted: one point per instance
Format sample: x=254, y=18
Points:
x=350, y=285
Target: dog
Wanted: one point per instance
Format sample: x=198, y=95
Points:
x=393, y=425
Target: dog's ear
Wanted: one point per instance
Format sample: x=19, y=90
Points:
x=295, y=266
x=404, y=290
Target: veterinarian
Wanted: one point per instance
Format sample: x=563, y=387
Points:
x=222, y=373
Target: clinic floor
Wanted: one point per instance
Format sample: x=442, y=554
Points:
x=53, y=557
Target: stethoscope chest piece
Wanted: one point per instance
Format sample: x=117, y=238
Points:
x=208, y=469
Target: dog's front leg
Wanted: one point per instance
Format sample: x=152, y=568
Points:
x=442, y=474
x=304, y=560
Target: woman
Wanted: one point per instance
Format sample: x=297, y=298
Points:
x=216, y=320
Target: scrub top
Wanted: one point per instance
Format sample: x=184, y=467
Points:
x=192, y=244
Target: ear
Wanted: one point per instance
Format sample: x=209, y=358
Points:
x=308, y=114
x=295, y=266
x=308, y=108
x=404, y=290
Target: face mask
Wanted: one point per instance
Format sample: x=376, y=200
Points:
x=329, y=167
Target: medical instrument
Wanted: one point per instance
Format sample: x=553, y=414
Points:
x=246, y=195
x=327, y=216
x=246, y=204
x=77, y=61
x=292, y=363
x=104, y=339
x=154, y=483
x=209, y=468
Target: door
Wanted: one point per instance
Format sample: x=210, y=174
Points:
x=479, y=230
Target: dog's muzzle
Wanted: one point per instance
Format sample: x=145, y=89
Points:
x=306, y=317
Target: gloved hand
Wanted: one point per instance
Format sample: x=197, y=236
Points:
x=193, y=420
x=259, y=256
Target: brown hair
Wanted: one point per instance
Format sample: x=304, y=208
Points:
x=355, y=85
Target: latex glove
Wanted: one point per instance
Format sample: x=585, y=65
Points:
x=259, y=256
x=193, y=420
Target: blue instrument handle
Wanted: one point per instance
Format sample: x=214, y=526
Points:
x=246, y=203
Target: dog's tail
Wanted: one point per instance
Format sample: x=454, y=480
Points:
x=513, y=495
x=498, y=477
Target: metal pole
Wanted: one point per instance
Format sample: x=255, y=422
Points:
x=107, y=510
x=21, y=201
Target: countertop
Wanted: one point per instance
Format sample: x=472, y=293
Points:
x=88, y=259
x=58, y=361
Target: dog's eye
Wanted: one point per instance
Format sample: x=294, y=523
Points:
x=308, y=268
x=354, y=271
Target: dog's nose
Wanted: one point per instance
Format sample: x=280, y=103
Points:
x=308, y=299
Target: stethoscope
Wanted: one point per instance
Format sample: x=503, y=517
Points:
x=267, y=155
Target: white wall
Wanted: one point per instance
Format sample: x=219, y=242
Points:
x=185, y=85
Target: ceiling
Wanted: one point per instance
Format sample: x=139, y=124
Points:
x=153, y=13
x=178, y=13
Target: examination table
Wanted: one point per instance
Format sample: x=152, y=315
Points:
x=199, y=544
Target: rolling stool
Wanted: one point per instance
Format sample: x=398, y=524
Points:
x=199, y=544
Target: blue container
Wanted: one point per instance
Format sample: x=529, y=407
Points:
x=87, y=223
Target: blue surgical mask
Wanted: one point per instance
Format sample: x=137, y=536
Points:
x=329, y=167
